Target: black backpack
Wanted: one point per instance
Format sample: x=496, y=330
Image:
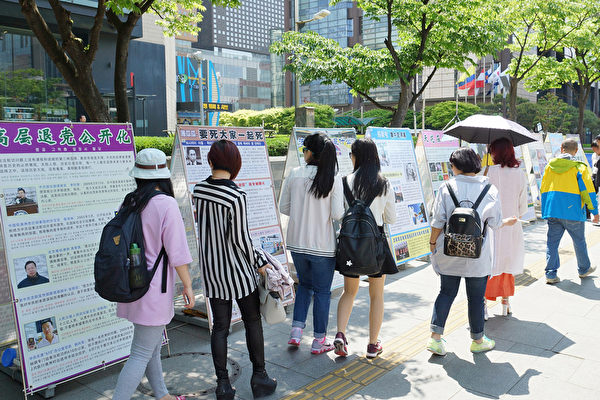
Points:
x=111, y=266
x=360, y=247
x=464, y=233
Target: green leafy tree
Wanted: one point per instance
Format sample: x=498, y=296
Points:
x=578, y=68
x=420, y=33
x=538, y=28
x=74, y=52
x=438, y=115
x=555, y=115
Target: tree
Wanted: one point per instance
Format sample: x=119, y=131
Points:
x=555, y=115
x=420, y=33
x=75, y=53
x=438, y=115
x=538, y=28
x=578, y=68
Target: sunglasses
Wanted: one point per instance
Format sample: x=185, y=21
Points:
x=304, y=149
x=350, y=155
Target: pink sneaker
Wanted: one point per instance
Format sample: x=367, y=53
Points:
x=295, y=337
x=320, y=346
x=373, y=350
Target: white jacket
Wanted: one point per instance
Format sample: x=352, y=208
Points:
x=310, y=228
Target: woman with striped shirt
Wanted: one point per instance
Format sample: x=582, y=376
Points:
x=229, y=264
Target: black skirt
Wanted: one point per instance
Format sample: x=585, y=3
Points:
x=389, y=264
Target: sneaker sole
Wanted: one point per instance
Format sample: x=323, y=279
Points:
x=435, y=352
x=339, y=348
x=374, y=355
x=552, y=281
x=293, y=342
x=322, y=350
x=482, y=351
x=588, y=273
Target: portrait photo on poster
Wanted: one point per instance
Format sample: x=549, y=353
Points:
x=20, y=201
x=31, y=271
x=192, y=155
x=41, y=333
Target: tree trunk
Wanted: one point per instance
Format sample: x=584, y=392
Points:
x=512, y=100
x=403, y=103
x=120, y=77
x=582, y=96
x=70, y=59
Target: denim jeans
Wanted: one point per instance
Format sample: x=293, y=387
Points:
x=576, y=229
x=448, y=290
x=315, y=274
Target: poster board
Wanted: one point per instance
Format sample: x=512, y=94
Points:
x=530, y=214
x=535, y=161
x=342, y=138
x=580, y=156
x=552, y=144
x=410, y=234
x=437, y=149
x=76, y=175
x=189, y=166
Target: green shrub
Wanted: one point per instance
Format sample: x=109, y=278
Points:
x=278, y=145
x=158, y=142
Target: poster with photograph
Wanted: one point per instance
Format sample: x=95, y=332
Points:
x=552, y=144
x=437, y=150
x=60, y=183
x=535, y=161
x=190, y=165
x=342, y=138
x=409, y=236
x=530, y=214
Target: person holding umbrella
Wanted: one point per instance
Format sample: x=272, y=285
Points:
x=509, y=249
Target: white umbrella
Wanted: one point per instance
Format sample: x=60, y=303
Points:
x=485, y=129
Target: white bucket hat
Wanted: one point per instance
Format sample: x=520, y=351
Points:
x=150, y=164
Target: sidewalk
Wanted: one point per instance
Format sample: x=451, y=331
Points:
x=546, y=350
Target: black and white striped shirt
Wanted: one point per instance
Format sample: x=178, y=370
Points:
x=228, y=260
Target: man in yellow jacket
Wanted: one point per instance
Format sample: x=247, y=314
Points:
x=566, y=189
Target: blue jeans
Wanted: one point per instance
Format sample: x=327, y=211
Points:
x=448, y=290
x=576, y=229
x=315, y=274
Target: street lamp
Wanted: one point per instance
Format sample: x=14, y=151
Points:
x=198, y=57
x=297, y=26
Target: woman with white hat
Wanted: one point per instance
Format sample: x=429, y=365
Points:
x=162, y=226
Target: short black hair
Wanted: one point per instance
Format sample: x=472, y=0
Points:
x=18, y=189
x=594, y=144
x=30, y=262
x=466, y=160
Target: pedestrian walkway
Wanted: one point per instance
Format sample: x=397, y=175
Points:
x=547, y=349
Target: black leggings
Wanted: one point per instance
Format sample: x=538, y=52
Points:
x=250, y=309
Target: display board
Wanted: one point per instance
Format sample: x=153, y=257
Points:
x=342, y=138
x=59, y=185
x=189, y=166
x=535, y=161
x=580, y=156
x=530, y=214
x=410, y=234
x=437, y=149
x=552, y=144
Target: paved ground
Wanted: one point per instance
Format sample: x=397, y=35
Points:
x=547, y=349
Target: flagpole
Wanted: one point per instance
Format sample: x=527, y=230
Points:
x=484, y=79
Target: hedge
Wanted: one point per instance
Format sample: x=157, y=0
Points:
x=276, y=145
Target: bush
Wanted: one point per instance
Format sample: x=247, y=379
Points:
x=278, y=145
x=158, y=142
x=437, y=116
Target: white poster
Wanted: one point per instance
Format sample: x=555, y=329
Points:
x=255, y=178
x=59, y=185
x=410, y=234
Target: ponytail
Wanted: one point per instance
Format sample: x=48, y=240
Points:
x=324, y=157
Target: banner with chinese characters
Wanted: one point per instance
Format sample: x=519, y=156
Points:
x=342, y=138
x=255, y=178
x=436, y=149
x=410, y=234
x=60, y=183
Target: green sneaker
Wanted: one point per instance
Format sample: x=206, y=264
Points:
x=486, y=345
x=437, y=347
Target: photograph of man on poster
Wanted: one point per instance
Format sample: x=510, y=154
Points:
x=193, y=156
x=31, y=271
x=49, y=333
x=33, y=277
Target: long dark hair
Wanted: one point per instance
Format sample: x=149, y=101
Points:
x=325, y=158
x=503, y=153
x=138, y=199
x=368, y=181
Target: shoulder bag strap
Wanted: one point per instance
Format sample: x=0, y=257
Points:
x=163, y=255
x=452, y=195
x=481, y=196
x=347, y=192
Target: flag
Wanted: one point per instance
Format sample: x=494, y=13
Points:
x=480, y=81
x=466, y=77
x=488, y=74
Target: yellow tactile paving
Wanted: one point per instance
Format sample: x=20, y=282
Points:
x=360, y=372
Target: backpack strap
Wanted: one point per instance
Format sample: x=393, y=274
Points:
x=163, y=255
x=347, y=192
x=481, y=196
x=452, y=195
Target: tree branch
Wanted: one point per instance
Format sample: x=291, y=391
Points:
x=372, y=100
x=416, y=95
x=95, y=31
x=114, y=19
